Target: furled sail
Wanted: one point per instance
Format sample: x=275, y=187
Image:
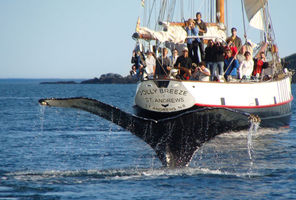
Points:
x=175, y=34
x=253, y=11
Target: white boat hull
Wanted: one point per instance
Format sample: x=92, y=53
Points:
x=269, y=99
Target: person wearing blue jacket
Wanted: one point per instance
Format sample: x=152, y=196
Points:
x=192, y=30
x=231, y=66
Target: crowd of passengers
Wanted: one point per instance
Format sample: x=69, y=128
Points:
x=219, y=61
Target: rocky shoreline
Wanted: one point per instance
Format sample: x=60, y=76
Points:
x=109, y=78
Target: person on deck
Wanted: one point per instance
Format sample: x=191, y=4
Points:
x=246, y=67
x=260, y=63
x=201, y=73
x=133, y=72
x=192, y=31
x=184, y=64
x=232, y=47
x=219, y=50
x=174, y=56
x=163, y=65
x=231, y=65
x=202, y=30
x=210, y=57
x=241, y=54
x=150, y=65
x=138, y=60
x=234, y=39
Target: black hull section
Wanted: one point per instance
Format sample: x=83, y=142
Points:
x=272, y=117
x=175, y=139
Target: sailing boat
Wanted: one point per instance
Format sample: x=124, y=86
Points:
x=175, y=117
x=270, y=99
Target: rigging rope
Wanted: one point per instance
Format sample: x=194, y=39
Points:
x=192, y=7
x=227, y=17
x=150, y=13
x=145, y=15
x=182, y=10
x=245, y=33
x=212, y=11
x=171, y=10
x=162, y=10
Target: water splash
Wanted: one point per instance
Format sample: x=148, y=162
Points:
x=255, y=122
x=41, y=111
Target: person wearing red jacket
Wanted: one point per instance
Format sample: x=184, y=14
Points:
x=260, y=64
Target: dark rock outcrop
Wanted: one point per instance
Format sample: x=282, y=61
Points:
x=110, y=78
x=59, y=82
x=290, y=63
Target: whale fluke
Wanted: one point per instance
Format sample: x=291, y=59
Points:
x=174, y=139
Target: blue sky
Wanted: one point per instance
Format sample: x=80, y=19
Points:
x=87, y=38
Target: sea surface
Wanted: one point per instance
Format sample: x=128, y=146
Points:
x=58, y=153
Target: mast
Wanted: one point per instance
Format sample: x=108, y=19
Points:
x=220, y=11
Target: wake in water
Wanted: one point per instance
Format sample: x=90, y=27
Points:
x=82, y=176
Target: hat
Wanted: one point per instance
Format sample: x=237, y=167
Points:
x=185, y=49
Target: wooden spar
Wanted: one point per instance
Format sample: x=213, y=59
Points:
x=142, y=36
x=177, y=23
x=220, y=11
x=184, y=24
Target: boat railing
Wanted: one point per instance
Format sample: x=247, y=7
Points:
x=253, y=79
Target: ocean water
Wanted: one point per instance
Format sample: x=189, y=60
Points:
x=57, y=153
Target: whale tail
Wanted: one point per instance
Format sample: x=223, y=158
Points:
x=174, y=139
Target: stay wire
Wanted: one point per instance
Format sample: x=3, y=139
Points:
x=243, y=13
